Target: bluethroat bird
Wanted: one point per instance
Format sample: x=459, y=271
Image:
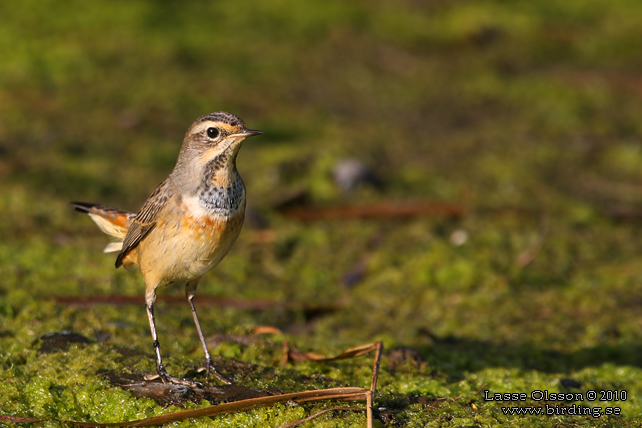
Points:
x=188, y=224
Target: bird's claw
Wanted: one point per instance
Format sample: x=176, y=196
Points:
x=166, y=378
x=210, y=369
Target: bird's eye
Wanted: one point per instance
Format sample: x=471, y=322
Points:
x=212, y=132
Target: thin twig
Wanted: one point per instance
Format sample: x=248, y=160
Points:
x=480, y=390
x=235, y=406
x=373, y=384
x=375, y=368
x=316, y=415
x=344, y=394
x=249, y=304
x=388, y=209
x=369, y=404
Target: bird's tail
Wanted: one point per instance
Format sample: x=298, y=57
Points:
x=112, y=221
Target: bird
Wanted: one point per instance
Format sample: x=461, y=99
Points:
x=187, y=225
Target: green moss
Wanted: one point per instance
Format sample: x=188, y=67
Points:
x=527, y=112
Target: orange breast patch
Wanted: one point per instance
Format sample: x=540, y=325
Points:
x=212, y=226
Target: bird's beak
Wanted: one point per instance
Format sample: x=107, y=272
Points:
x=248, y=133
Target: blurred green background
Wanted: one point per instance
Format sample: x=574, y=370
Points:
x=526, y=113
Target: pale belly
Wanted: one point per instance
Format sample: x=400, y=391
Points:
x=187, y=249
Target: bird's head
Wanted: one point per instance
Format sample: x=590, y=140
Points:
x=215, y=138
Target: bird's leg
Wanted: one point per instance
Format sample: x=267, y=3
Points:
x=190, y=290
x=160, y=368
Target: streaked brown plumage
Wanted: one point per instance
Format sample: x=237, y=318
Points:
x=189, y=223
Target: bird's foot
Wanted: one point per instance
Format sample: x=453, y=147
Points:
x=210, y=369
x=167, y=378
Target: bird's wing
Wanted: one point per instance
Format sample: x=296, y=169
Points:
x=145, y=220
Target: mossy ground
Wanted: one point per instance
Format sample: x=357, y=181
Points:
x=528, y=112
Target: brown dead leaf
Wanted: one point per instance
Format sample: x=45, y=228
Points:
x=387, y=209
x=266, y=329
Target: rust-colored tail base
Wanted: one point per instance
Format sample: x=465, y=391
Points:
x=111, y=221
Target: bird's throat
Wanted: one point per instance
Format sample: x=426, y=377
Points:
x=222, y=196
